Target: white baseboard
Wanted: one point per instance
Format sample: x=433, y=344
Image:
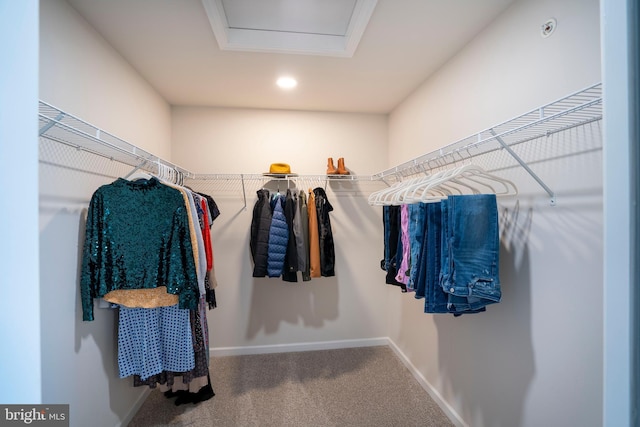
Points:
x=135, y=408
x=433, y=392
x=286, y=348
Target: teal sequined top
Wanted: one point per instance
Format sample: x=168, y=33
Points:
x=137, y=236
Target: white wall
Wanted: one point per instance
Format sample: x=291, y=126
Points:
x=266, y=312
x=19, y=315
x=536, y=358
x=82, y=74
x=508, y=69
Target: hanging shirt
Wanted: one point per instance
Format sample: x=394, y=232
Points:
x=201, y=257
x=206, y=234
x=157, y=297
x=137, y=236
x=214, y=212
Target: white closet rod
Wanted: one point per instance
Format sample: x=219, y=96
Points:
x=579, y=108
x=278, y=177
x=302, y=180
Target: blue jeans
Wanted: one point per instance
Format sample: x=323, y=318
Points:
x=470, y=251
x=391, y=218
x=387, y=231
x=419, y=269
x=436, y=300
x=417, y=218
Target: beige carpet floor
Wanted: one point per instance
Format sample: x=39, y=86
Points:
x=367, y=386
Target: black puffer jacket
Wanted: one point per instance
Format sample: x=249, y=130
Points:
x=327, y=250
x=259, y=242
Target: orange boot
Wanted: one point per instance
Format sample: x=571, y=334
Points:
x=331, y=169
x=341, y=169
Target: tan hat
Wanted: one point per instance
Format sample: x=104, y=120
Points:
x=279, y=169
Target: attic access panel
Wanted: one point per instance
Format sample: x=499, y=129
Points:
x=307, y=27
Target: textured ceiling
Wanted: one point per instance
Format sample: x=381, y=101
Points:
x=172, y=45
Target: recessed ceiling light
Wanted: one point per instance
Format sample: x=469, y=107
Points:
x=287, y=82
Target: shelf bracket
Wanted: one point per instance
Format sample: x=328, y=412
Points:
x=51, y=124
x=526, y=167
x=244, y=193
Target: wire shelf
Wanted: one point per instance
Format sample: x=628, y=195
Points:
x=577, y=109
x=62, y=127
x=281, y=177
x=574, y=110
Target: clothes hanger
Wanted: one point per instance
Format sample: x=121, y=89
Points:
x=395, y=194
x=407, y=194
x=470, y=172
x=398, y=196
x=139, y=176
x=459, y=180
x=168, y=174
x=425, y=193
x=471, y=178
x=448, y=182
x=161, y=171
x=384, y=196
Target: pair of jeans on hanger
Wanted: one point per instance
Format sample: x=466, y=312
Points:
x=392, y=244
x=470, y=249
x=417, y=218
x=429, y=262
x=457, y=269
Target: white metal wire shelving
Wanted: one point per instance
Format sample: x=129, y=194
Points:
x=576, y=109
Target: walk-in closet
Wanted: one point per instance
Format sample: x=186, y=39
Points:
x=498, y=130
